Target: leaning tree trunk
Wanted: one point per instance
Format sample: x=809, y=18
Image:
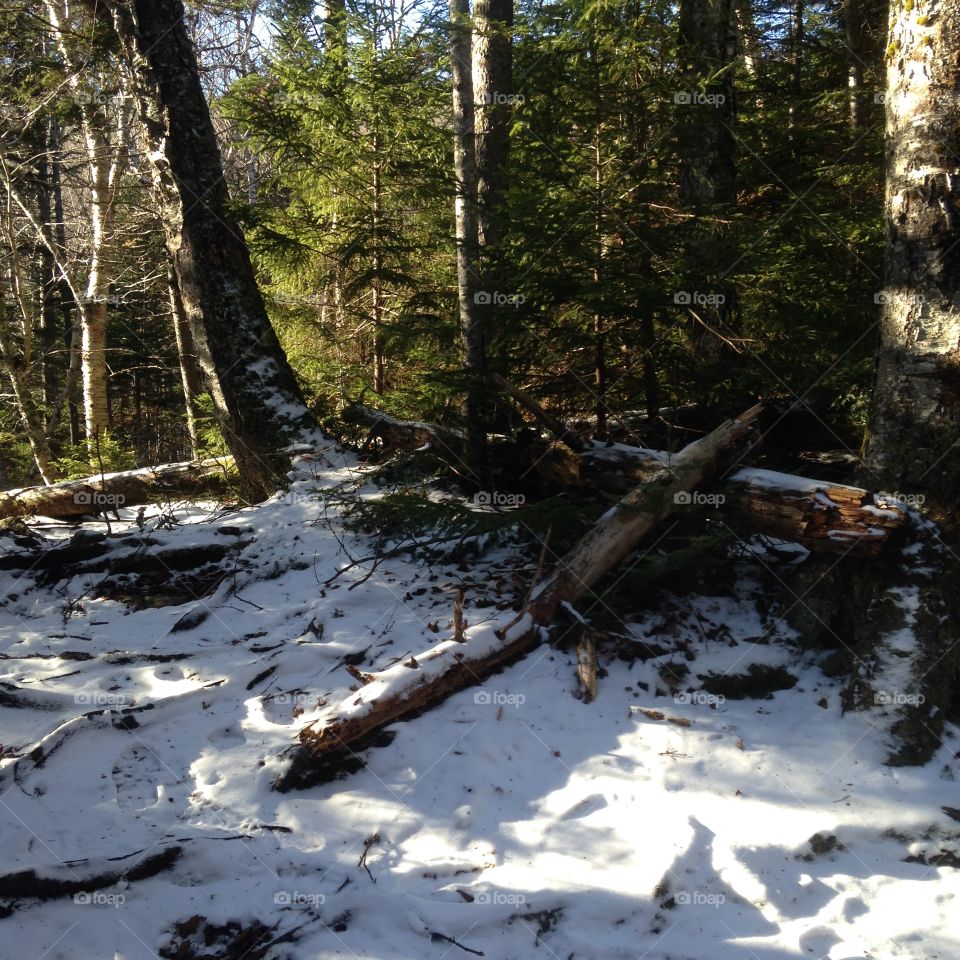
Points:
x=913, y=445
x=258, y=401
x=465, y=172
x=412, y=685
x=707, y=170
x=190, y=379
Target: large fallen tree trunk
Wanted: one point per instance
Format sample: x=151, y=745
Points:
x=403, y=434
x=84, y=877
x=414, y=684
x=823, y=517
x=76, y=498
x=621, y=528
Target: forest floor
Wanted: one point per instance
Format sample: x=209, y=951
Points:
x=512, y=821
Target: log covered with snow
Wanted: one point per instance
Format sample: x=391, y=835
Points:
x=75, y=498
x=618, y=532
x=417, y=682
x=823, y=517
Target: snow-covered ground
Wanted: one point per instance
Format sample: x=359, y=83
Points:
x=512, y=821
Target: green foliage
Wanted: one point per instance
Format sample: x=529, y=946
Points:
x=210, y=438
x=340, y=162
x=690, y=563
x=16, y=459
x=430, y=520
x=352, y=231
x=75, y=461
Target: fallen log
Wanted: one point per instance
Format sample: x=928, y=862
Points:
x=404, y=434
x=620, y=529
x=414, y=684
x=823, y=517
x=611, y=467
x=558, y=429
x=81, y=878
x=76, y=498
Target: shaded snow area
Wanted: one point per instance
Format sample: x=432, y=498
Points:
x=513, y=821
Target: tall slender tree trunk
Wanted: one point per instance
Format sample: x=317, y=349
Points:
x=853, y=29
x=105, y=160
x=492, y=66
x=707, y=169
x=747, y=33
x=465, y=211
x=69, y=327
x=797, y=42
x=93, y=366
x=379, y=362
x=493, y=95
x=335, y=49
x=190, y=377
x=599, y=326
x=914, y=443
x=49, y=327
x=259, y=404
x=335, y=27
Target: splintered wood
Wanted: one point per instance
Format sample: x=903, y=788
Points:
x=822, y=517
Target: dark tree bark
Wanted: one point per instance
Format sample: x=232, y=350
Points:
x=465, y=172
x=493, y=98
x=256, y=396
x=915, y=430
x=493, y=93
x=708, y=42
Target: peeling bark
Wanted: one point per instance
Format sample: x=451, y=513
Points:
x=913, y=445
